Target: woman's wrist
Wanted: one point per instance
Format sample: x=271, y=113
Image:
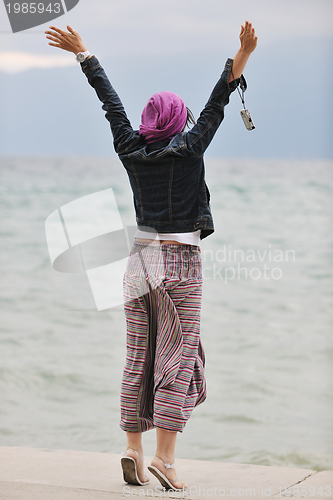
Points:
x=81, y=49
x=82, y=56
x=245, y=52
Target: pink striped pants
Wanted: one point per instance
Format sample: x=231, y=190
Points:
x=163, y=379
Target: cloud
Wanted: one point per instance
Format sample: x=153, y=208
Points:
x=16, y=62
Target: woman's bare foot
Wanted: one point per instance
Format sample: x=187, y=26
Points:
x=139, y=463
x=169, y=473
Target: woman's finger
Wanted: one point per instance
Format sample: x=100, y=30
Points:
x=49, y=35
x=55, y=34
x=55, y=39
x=58, y=30
x=71, y=30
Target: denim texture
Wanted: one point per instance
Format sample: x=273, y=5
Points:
x=167, y=178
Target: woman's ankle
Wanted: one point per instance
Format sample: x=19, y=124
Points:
x=134, y=441
x=135, y=446
x=164, y=457
x=166, y=444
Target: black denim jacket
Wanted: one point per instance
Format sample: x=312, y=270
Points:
x=167, y=178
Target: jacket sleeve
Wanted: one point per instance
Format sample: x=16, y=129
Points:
x=201, y=135
x=121, y=128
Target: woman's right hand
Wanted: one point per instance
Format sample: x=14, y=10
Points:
x=70, y=41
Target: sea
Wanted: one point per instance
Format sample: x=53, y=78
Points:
x=266, y=322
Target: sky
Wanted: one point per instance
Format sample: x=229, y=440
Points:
x=186, y=40
x=152, y=27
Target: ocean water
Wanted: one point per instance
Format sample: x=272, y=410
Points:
x=267, y=316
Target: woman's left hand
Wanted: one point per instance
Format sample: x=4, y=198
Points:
x=248, y=37
x=70, y=41
x=248, y=41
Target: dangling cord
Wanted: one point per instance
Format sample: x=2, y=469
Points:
x=241, y=96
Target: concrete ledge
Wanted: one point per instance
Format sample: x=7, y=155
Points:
x=41, y=474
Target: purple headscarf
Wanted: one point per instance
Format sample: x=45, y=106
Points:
x=163, y=117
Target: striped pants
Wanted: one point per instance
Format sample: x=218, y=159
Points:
x=163, y=379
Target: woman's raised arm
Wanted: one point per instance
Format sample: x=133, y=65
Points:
x=121, y=128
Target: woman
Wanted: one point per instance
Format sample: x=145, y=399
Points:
x=163, y=378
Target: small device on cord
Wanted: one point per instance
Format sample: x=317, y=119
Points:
x=245, y=113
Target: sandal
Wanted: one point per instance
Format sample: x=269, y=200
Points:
x=130, y=471
x=165, y=482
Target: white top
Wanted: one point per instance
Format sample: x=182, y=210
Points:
x=192, y=238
